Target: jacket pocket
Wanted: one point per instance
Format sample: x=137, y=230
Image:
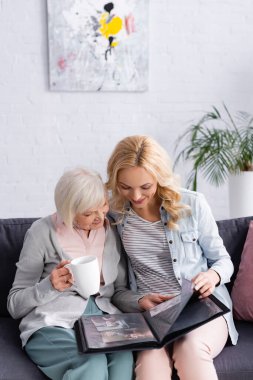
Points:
x=191, y=246
x=190, y=236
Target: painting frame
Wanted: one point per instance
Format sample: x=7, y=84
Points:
x=98, y=46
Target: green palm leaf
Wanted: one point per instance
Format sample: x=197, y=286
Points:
x=217, y=146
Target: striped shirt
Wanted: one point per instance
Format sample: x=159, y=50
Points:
x=147, y=248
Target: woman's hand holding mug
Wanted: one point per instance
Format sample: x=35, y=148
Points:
x=61, y=277
x=83, y=272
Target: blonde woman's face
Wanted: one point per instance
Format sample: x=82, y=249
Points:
x=137, y=186
x=92, y=219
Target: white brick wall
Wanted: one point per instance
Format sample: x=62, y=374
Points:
x=200, y=54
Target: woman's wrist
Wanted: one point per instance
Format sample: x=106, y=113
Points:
x=217, y=283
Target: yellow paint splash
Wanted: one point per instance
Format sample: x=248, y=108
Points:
x=111, y=28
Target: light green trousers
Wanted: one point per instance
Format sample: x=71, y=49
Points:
x=54, y=350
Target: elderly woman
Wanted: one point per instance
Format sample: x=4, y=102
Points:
x=43, y=294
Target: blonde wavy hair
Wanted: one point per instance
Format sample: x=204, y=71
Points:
x=145, y=152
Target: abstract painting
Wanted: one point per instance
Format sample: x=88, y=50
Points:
x=96, y=45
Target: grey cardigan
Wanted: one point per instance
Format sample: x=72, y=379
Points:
x=32, y=296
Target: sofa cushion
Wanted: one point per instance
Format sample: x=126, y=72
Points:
x=236, y=362
x=12, y=232
x=243, y=285
x=233, y=233
x=14, y=363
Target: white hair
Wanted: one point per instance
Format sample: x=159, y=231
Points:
x=77, y=191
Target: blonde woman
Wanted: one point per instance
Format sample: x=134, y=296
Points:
x=168, y=234
x=43, y=294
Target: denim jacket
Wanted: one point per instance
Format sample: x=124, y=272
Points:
x=194, y=247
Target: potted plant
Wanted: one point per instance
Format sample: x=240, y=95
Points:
x=220, y=147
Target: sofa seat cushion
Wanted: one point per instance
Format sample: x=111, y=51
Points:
x=14, y=363
x=236, y=362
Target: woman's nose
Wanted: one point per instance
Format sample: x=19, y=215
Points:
x=100, y=214
x=136, y=194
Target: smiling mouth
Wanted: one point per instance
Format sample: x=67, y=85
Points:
x=139, y=201
x=98, y=222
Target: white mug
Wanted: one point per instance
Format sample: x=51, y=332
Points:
x=86, y=275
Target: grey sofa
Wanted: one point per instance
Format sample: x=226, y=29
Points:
x=234, y=363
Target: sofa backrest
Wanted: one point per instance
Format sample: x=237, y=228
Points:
x=234, y=233
x=12, y=232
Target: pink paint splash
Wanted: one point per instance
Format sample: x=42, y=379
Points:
x=62, y=63
x=129, y=24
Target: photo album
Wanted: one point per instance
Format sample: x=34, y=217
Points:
x=150, y=329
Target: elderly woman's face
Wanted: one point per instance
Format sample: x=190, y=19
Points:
x=92, y=219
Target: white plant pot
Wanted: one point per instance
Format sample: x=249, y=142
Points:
x=241, y=195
